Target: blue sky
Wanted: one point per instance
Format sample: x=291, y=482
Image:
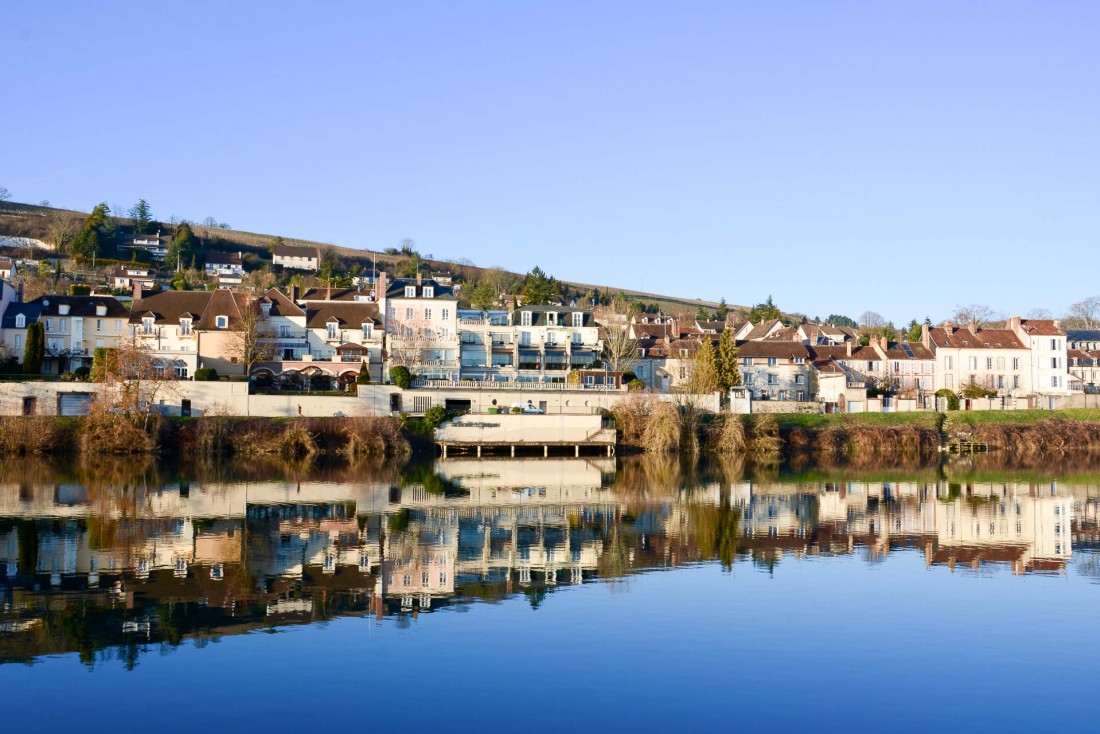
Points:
x=899, y=157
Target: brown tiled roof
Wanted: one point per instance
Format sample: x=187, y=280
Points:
x=168, y=307
x=827, y=366
x=346, y=313
x=1041, y=327
x=785, y=333
x=866, y=354
x=759, y=331
x=655, y=330
x=332, y=294
x=777, y=349
x=296, y=251
x=980, y=339
x=281, y=305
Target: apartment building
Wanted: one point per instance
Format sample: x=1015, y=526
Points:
x=1083, y=353
x=74, y=327
x=421, y=324
x=297, y=257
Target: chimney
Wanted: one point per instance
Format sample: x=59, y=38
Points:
x=419, y=277
x=925, y=336
x=973, y=329
x=848, y=347
x=1014, y=323
x=19, y=293
x=884, y=342
x=294, y=294
x=1057, y=323
x=137, y=291
x=380, y=285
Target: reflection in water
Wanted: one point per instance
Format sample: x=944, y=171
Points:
x=109, y=561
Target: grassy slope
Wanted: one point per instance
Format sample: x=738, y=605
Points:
x=24, y=220
x=818, y=420
x=1022, y=417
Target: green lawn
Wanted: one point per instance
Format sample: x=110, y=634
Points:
x=821, y=420
x=976, y=417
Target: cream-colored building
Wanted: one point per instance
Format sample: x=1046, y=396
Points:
x=74, y=327
x=421, y=323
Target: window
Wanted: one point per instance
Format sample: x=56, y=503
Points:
x=1000, y=363
x=748, y=379
x=773, y=380
x=1054, y=363
x=801, y=396
x=366, y=331
x=446, y=314
x=989, y=363
x=973, y=363
x=551, y=318
x=429, y=291
x=18, y=341
x=49, y=325
x=1054, y=382
x=1016, y=363
x=1015, y=381
x=800, y=360
x=221, y=322
x=147, y=325
x=410, y=291
x=284, y=331
x=577, y=340
x=118, y=325
x=427, y=314
x=408, y=314
x=578, y=320
x=1053, y=343
x=1000, y=382
x=99, y=325
x=525, y=318
x=950, y=363
x=800, y=379
x=331, y=329
x=897, y=366
x=21, y=321
x=185, y=327
x=772, y=361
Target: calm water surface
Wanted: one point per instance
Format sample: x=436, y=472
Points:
x=546, y=594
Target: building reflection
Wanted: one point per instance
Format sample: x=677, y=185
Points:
x=88, y=568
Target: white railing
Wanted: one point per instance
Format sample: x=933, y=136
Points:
x=490, y=385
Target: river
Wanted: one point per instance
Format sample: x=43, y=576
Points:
x=541, y=594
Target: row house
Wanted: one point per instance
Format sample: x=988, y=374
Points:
x=74, y=327
x=776, y=370
x=297, y=257
x=1029, y=357
x=421, y=323
x=1083, y=354
x=907, y=367
x=125, y=278
x=187, y=330
x=530, y=344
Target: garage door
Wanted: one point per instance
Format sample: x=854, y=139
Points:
x=74, y=403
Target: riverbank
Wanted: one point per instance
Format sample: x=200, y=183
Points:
x=210, y=436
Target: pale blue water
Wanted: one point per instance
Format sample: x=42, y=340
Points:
x=896, y=629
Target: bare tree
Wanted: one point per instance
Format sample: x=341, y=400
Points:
x=133, y=378
x=259, y=281
x=251, y=340
x=4, y=194
x=871, y=321
x=61, y=228
x=408, y=343
x=976, y=315
x=1086, y=313
x=620, y=349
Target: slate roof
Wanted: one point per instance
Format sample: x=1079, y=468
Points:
x=30, y=310
x=1083, y=335
x=81, y=305
x=281, y=305
x=396, y=288
x=538, y=315
x=776, y=349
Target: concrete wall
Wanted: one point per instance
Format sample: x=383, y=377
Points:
x=523, y=429
x=786, y=406
x=377, y=399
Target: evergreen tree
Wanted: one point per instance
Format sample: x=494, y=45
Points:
x=766, y=311
x=89, y=242
x=913, y=331
x=728, y=373
x=539, y=288
x=34, y=353
x=142, y=216
x=182, y=248
x=723, y=310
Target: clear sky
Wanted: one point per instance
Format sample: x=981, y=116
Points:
x=899, y=157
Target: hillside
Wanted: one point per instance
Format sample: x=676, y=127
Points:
x=32, y=220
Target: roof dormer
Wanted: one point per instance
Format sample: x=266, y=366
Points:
x=20, y=321
x=410, y=291
x=429, y=291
